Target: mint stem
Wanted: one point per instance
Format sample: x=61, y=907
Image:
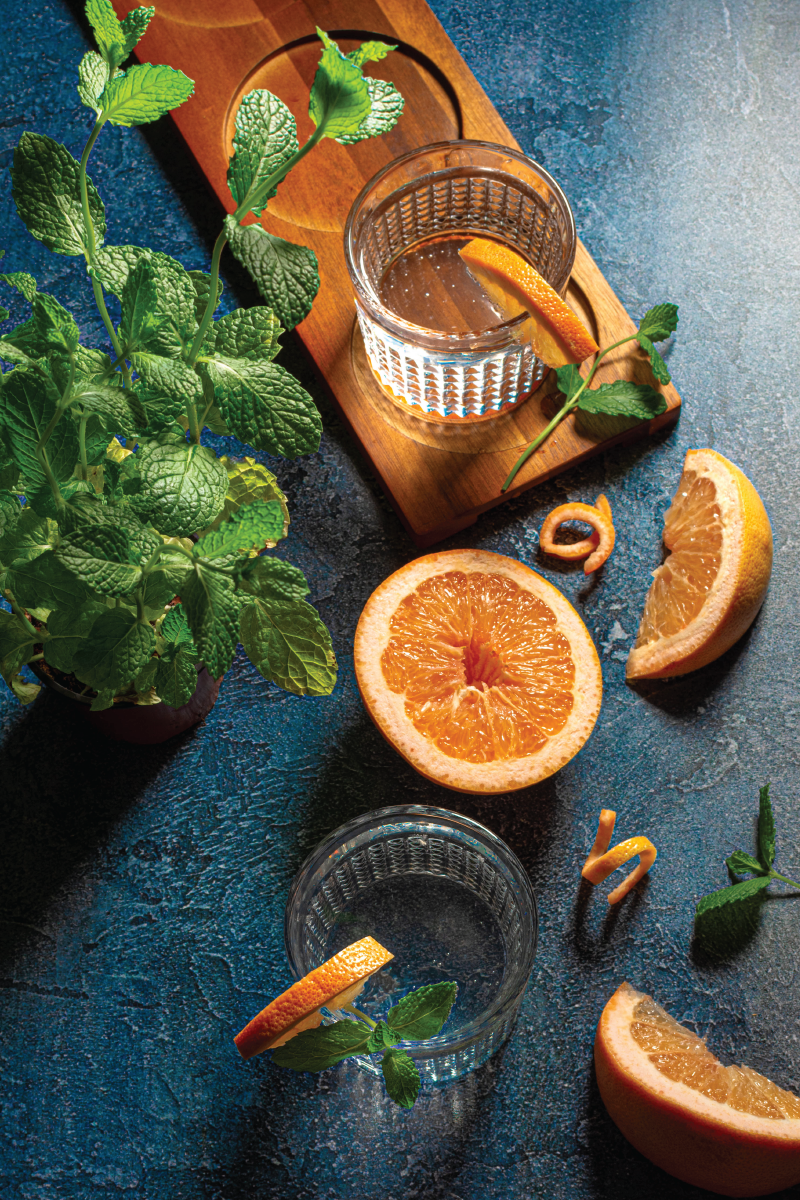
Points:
x=783, y=879
x=351, y=1008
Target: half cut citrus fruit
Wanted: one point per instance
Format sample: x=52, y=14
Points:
x=712, y=584
x=332, y=985
x=558, y=337
x=477, y=670
x=727, y=1129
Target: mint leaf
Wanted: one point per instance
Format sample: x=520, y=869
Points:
x=143, y=94
x=92, y=78
x=422, y=1013
x=107, y=30
x=288, y=644
x=249, y=480
x=659, y=322
x=119, y=407
x=264, y=406
x=726, y=920
x=29, y=537
x=182, y=488
x=134, y=26
x=27, y=404
x=113, y=265
x=212, y=609
x=381, y=1038
x=170, y=384
x=25, y=691
x=100, y=556
x=739, y=863
x=176, y=675
x=386, y=107
x=623, y=399
x=103, y=699
x=201, y=282
x=657, y=364
x=175, y=627
x=401, y=1077
x=369, y=52
x=68, y=629
x=44, y=582
x=250, y=528
x=569, y=381
x=248, y=333
x=22, y=281
x=46, y=191
x=158, y=307
x=265, y=139
x=271, y=579
x=731, y=895
x=286, y=275
x=16, y=644
x=339, y=99
x=54, y=324
x=317, y=1049
x=117, y=648
x=766, y=828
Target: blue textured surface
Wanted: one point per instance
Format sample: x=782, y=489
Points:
x=142, y=890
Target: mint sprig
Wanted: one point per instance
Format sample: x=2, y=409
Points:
x=727, y=914
x=418, y=1016
x=620, y=398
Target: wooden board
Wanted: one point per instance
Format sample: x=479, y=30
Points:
x=439, y=477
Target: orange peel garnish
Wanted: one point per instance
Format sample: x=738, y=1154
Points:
x=602, y=861
x=598, y=546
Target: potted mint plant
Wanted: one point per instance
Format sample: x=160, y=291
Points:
x=130, y=553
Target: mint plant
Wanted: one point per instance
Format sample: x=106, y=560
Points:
x=418, y=1016
x=130, y=553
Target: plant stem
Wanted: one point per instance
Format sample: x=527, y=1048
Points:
x=194, y=424
x=140, y=617
x=211, y=305
x=783, y=879
x=82, y=444
x=40, y=634
x=571, y=404
x=351, y=1008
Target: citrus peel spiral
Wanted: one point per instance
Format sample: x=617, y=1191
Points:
x=598, y=546
x=602, y=861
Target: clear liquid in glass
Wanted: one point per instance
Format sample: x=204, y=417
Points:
x=430, y=285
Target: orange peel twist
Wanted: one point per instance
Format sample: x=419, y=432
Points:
x=598, y=546
x=602, y=861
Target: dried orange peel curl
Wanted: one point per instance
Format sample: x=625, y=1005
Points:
x=598, y=546
x=332, y=985
x=602, y=861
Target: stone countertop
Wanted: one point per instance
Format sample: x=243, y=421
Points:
x=142, y=889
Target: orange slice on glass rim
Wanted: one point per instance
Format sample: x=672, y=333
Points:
x=477, y=670
x=332, y=985
x=558, y=337
x=727, y=1129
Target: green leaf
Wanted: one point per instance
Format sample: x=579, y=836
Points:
x=119, y=407
x=176, y=676
x=27, y=404
x=56, y=327
x=659, y=322
x=100, y=556
x=659, y=367
x=728, y=919
x=422, y=1013
x=46, y=191
x=569, y=381
x=212, y=609
x=248, y=333
x=103, y=699
x=134, y=26
x=766, y=828
x=381, y=1038
x=113, y=265
x=182, y=486
x=271, y=579
x=175, y=627
x=201, y=282
x=25, y=691
x=265, y=139
x=739, y=863
x=288, y=644
x=143, y=94
x=170, y=384
x=386, y=107
x=10, y=508
x=69, y=628
x=339, y=99
x=731, y=895
x=286, y=275
x=623, y=399
x=316, y=1049
x=158, y=307
x=22, y=281
x=250, y=528
x=265, y=406
x=370, y=52
x=29, y=537
x=117, y=648
x=249, y=480
x=44, y=582
x=16, y=644
x=401, y=1077
x=107, y=30
x=92, y=78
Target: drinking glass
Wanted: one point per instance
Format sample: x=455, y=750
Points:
x=443, y=894
x=409, y=222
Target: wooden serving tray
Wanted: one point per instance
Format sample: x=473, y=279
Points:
x=439, y=476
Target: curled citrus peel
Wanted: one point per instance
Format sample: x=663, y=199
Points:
x=602, y=861
x=598, y=546
x=334, y=984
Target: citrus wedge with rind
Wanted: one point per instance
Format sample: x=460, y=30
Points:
x=477, y=670
x=557, y=335
x=333, y=984
x=709, y=590
x=727, y=1129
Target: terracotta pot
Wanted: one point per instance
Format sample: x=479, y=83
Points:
x=144, y=724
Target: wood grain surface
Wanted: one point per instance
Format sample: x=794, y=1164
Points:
x=439, y=477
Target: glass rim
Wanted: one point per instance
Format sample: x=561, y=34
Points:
x=511, y=991
x=494, y=335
